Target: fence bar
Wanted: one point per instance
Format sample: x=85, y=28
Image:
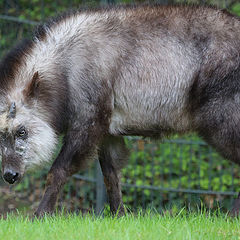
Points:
x=84, y=178
x=182, y=190
x=100, y=190
x=19, y=20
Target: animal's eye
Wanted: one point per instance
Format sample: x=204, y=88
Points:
x=22, y=133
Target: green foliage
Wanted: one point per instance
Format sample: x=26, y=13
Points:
x=236, y=9
x=38, y=10
x=35, y=10
x=177, y=164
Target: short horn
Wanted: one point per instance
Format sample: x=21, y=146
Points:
x=12, y=110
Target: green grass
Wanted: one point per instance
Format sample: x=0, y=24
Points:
x=147, y=227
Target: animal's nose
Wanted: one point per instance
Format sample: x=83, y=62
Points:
x=11, y=176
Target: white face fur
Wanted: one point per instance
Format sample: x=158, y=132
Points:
x=33, y=141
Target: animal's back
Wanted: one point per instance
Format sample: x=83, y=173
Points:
x=174, y=46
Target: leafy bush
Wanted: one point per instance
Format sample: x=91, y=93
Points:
x=178, y=166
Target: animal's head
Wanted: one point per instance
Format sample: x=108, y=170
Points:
x=33, y=107
x=26, y=137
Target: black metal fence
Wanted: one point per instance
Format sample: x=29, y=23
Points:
x=171, y=174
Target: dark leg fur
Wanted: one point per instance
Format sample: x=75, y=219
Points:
x=69, y=161
x=220, y=128
x=56, y=178
x=112, y=156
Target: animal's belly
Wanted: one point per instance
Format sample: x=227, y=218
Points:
x=152, y=123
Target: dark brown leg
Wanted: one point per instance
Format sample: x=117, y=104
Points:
x=112, y=156
x=67, y=163
x=55, y=181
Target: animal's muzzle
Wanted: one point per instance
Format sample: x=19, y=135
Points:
x=11, y=176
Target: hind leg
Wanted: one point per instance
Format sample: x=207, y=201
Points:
x=112, y=156
x=219, y=125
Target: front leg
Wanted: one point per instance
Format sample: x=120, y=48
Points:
x=56, y=178
x=89, y=124
x=66, y=164
x=55, y=181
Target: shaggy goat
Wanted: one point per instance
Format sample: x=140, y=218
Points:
x=95, y=76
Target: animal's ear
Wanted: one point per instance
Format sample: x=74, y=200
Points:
x=32, y=88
